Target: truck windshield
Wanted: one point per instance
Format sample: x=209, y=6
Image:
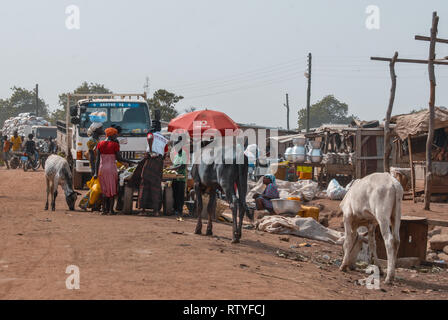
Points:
x=45, y=133
x=133, y=118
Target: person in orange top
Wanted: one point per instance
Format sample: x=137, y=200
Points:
x=108, y=152
x=6, y=147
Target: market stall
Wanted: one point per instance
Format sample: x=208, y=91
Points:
x=412, y=130
x=344, y=152
x=129, y=183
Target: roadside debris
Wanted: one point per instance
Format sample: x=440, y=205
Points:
x=292, y=256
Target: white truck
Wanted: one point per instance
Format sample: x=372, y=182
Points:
x=129, y=111
x=43, y=132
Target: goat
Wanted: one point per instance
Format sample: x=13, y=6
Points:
x=211, y=175
x=371, y=201
x=57, y=172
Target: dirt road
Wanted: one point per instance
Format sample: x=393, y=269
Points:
x=132, y=257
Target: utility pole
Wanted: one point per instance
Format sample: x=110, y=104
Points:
x=37, y=100
x=308, y=96
x=287, y=112
x=146, y=86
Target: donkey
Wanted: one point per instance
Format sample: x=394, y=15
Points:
x=215, y=172
x=57, y=172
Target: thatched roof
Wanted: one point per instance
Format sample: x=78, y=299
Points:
x=417, y=123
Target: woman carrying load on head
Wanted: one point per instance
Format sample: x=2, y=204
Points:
x=94, y=132
x=108, y=152
x=263, y=201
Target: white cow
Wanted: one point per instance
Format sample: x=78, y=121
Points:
x=57, y=172
x=371, y=201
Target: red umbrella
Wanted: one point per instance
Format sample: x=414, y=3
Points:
x=204, y=119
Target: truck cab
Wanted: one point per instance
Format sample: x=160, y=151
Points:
x=132, y=115
x=43, y=132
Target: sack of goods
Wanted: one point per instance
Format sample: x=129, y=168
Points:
x=335, y=191
x=93, y=196
x=23, y=124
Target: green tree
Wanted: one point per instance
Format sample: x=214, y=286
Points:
x=190, y=109
x=21, y=100
x=418, y=110
x=327, y=110
x=165, y=101
x=58, y=114
x=84, y=88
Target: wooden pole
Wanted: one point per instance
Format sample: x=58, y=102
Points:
x=67, y=128
x=308, y=95
x=411, y=164
x=423, y=38
x=440, y=62
x=37, y=100
x=432, y=80
x=387, y=145
x=358, y=154
x=287, y=111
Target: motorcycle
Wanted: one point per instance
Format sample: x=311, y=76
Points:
x=28, y=163
x=14, y=162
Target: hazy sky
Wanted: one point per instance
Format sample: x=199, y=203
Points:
x=236, y=56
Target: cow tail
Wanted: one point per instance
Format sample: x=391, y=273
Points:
x=396, y=213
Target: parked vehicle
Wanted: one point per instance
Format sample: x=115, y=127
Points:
x=42, y=133
x=14, y=162
x=28, y=162
x=130, y=113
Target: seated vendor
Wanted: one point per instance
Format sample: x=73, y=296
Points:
x=263, y=201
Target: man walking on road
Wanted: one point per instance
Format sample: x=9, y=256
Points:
x=6, y=147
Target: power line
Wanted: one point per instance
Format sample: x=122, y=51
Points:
x=232, y=83
x=298, y=74
x=268, y=69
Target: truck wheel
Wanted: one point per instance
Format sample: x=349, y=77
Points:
x=127, y=200
x=77, y=180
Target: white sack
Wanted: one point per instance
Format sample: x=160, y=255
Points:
x=302, y=227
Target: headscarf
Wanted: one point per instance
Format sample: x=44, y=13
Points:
x=110, y=132
x=93, y=127
x=271, y=177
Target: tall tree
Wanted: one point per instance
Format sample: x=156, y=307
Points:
x=165, y=101
x=327, y=110
x=84, y=88
x=21, y=100
x=190, y=109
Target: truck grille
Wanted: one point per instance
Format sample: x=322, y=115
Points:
x=128, y=154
